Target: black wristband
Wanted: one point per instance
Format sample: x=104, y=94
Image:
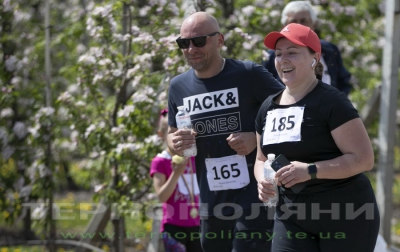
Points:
x=312, y=170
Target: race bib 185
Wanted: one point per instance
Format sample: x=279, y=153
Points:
x=283, y=125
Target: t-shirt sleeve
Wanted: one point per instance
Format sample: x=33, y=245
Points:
x=172, y=105
x=338, y=109
x=264, y=84
x=261, y=115
x=157, y=165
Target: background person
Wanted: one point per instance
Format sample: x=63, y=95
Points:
x=222, y=97
x=334, y=74
x=317, y=128
x=176, y=186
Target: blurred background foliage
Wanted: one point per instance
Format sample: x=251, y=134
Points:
x=111, y=62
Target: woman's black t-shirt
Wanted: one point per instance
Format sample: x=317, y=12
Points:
x=325, y=109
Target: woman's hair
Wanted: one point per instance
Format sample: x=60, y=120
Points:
x=296, y=7
x=163, y=122
x=319, y=68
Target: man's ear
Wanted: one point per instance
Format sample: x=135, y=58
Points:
x=221, y=39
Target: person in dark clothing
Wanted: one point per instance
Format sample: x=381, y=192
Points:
x=335, y=74
x=222, y=97
x=319, y=131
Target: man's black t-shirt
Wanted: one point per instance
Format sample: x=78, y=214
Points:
x=218, y=107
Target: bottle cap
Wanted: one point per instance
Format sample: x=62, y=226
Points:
x=271, y=156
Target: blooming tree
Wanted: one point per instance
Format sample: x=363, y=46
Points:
x=112, y=62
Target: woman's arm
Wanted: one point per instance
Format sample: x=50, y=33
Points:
x=353, y=141
x=358, y=156
x=265, y=188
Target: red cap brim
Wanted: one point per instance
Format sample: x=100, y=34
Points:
x=272, y=37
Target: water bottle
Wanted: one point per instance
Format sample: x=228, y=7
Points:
x=183, y=122
x=269, y=174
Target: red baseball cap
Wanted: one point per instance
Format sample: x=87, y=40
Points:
x=298, y=34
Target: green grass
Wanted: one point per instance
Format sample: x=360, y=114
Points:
x=73, y=219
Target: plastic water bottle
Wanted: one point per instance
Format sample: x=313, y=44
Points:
x=269, y=174
x=183, y=122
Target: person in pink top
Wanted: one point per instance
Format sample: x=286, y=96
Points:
x=176, y=187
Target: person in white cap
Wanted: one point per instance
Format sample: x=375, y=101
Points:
x=318, y=130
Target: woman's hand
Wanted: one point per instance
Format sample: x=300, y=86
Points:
x=292, y=174
x=265, y=190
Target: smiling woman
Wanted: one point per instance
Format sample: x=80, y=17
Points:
x=324, y=139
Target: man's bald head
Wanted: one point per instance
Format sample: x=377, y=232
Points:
x=199, y=23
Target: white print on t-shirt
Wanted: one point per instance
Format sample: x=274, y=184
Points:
x=213, y=101
x=283, y=125
x=225, y=173
x=182, y=187
x=217, y=125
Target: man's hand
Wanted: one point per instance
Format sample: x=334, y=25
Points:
x=242, y=142
x=181, y=140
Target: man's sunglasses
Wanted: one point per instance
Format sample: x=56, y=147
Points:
x=197, y=41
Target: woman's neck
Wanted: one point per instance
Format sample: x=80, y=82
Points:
x=292, y=95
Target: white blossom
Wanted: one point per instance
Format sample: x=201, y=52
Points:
x=80, y=103
x=68, y=146
x=73, y=89
x=98, y=77
x=125, y=178
x=89, y=130
x=247, y=46
x=104, y=62
x=132, y=71
x=20, y=130
x=16, y=80
x=87, y=59
x=248, y=10
x=81, y=48
x=275, y=14
x=136, y=81
x=7, y=152
x=34, y=131
x=6, y=112
x=126, y=111
x=153, y=139
x=44, y=171
x=39, y=212
x=102, y=125
x=143, y=95
x=98, y=188
x=44, y=111
x=64, y=97
x=126, y=146
x=103, y=11
x=117, y=130
x=144, y=11
x=11, y=63
x=7, y=6
x=74, y=136
x=116, y=72
x=3, y=137
x=265, y=55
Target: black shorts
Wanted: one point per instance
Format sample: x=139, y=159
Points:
x=323, y=222
x=189, y=237
x=249, y=232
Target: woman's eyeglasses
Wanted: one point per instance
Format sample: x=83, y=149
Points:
x=197, y=41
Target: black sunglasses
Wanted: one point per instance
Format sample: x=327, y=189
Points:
x=197, y=41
